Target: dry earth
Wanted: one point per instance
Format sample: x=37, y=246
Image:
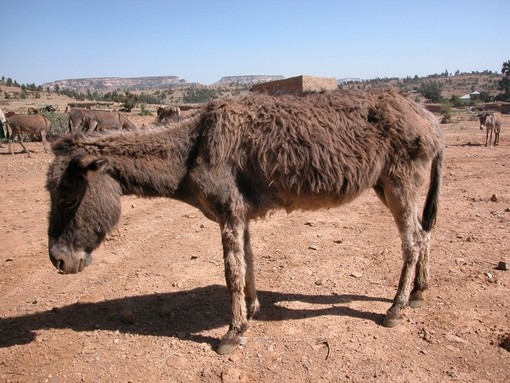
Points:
x=153, y=304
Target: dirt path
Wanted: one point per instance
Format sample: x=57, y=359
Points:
x=153, y=304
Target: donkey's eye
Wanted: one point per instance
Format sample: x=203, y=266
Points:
x=68, y=183
x=68, y=203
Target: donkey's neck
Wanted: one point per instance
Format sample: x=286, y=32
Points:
x=147, y=163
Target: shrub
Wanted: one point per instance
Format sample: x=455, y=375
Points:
x=199, y=95
x=144, y=111
x=446, y=111
x=431, y=90
x=59, y=123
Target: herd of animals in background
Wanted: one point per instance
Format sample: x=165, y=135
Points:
x=80, y=119
x=88, y=120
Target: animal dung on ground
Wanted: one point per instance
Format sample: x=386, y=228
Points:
x=503, y=265
x=505, y=344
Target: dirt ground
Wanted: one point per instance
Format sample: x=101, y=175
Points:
x=153, y=304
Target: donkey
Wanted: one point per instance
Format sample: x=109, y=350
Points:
x=104, y=120
x=491, y=121
x=2, y=117
x=2, y=123
x=89, y=120
x=76, y=117
x=27, y=123
x=168, y=114
x=242, y=158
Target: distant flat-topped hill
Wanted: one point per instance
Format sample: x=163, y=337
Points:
x=106, y=84
x=247, y=80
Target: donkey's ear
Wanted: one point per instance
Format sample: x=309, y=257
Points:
x=91, y=165
x=97, y=165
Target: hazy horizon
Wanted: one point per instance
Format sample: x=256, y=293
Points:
x=201, y=41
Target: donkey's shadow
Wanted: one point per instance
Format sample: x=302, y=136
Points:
x=173, y=314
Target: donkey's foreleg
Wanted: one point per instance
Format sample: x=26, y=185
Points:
x=20, y=136
x=44, y=141
x=232, y=235
x=11, y=139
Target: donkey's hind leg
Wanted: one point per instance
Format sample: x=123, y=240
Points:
x=250, y=291
x=421, y=280
x=233, y=235
x=496, y=135
x=401, y=200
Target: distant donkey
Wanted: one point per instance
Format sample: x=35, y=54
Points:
x=2, y=123
x=168, y=114
x=89, y=120
x=27, y=123
x=242, y=158
x=491, y=121
x=104, y=120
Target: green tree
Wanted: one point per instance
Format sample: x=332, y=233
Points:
x=130, y=101
x=504, y=84
x=199, y=95
x=431, y=90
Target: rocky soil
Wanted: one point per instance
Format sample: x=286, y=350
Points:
x=153, y=304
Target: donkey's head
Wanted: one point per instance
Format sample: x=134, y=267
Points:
x=85, y=206
x=483, y=118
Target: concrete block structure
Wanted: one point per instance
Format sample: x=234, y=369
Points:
x=296, y=85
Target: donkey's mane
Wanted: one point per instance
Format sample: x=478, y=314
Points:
x=151, y=140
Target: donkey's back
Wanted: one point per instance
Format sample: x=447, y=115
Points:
x=319, y=149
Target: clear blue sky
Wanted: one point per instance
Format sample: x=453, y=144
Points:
x=201, y=41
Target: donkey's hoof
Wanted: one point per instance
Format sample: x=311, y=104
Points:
x=416, y=300
x=253, y=308
x=391, y=319
x=229, y=343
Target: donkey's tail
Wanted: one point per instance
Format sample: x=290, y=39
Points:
x=431, y=203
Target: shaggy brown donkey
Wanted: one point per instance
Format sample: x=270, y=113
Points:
x=240, y=159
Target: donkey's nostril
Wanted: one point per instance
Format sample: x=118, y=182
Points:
x=53, y=260
x=57, y=261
